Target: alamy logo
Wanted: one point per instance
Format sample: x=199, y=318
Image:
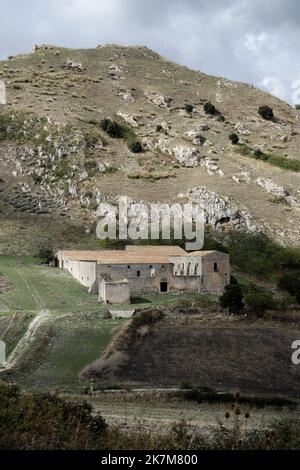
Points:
x=141, y=221
x=2, y=92
x=2, y=353
x=296, y=354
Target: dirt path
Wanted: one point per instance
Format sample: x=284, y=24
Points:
x=26, y=340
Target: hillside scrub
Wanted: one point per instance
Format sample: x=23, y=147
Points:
x=43, y=421
x=259, y=301
x=120, y=131
x=291, y=284
x=276, y=160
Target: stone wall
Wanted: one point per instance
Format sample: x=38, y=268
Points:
x=83, y=271
x=117, y=292
x=215, y=277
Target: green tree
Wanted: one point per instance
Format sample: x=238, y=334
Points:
x=232, y=299
x=46, y=255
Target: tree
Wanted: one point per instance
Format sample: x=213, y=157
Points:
x=266, y=112
x=291, y=284
x=45, y=255
x=232, y=299
x=234, y=139
x=209, y=108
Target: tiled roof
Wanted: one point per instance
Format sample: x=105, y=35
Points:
x=157, y=249
x=132, y=255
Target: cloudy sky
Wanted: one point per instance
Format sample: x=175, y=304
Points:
x=253, y=41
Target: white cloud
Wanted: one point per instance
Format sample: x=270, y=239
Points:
x=274, y=86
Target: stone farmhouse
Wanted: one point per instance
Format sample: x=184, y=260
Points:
x=118, y=275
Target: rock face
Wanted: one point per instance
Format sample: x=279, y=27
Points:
x=70, y=64
x=126, y=96
x=159, y=100
x=131, y=120
x=279, y=191
x=219, y=211
x=186, y=156
x=269, y=186
x=196, y=137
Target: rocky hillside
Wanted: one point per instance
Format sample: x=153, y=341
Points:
x=84, y=126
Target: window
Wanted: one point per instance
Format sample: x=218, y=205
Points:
x=128, y=267
x=216, y=269
x=150, y=267
x=138, y=273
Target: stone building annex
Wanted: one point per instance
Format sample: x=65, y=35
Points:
x=118, y=275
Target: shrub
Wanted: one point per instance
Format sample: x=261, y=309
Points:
x=266, y=112
x=189, y=108
x=135, y=146
x=104, y=124
x=114, y=130
x=234, y=138
x=209, y=108
x=291, y=284
x=259, y=301
x=232, y=299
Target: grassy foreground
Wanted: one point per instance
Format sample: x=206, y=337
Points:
x=74, y=332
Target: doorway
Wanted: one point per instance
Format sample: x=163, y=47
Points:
x=163, y=286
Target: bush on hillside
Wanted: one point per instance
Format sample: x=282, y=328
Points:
x=209, y=108
x=266, y=112
x=189, y=108
x=234, y=138
x=135, y=146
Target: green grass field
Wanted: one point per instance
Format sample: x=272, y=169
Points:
x=73, y=335
x=37, y=287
